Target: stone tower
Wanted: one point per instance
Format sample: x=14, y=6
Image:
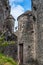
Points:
x=4, y=12
x=9, y=24
x=30, y=39
x=37, y=7
x=6, y=20
x=27, y=38
x=7, y=30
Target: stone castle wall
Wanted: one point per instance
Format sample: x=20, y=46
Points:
x=27, y=37
x=38, y=8
x=7, y=29
x=32, y=41
x=4, y=12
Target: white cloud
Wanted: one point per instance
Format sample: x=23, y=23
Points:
x=16, y=11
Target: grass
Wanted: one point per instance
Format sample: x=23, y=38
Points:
x=6, y=60
x=5, y=43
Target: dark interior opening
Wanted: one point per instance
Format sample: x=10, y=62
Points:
x=21, y=53
x=34, y=18
x=29, y=47
x=7, y=8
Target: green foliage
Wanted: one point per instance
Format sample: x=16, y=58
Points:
x=1, y=39
x=5, y=43
x=6, y=60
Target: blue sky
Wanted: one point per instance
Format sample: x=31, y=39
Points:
x=18, y=7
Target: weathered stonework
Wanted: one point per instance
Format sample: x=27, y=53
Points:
x=9, y=24
x=4, y=12
x=30, y=43
x=6, y=20
x=39, y=10
x=9, y=50
x=27, y=38
x=7, y=30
